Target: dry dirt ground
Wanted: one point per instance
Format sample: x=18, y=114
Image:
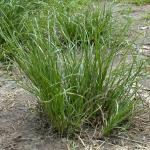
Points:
x=21, y=127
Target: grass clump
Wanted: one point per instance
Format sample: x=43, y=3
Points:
x=77, y=66
x=15, y=12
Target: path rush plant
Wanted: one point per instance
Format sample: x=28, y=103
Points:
x=70, y=62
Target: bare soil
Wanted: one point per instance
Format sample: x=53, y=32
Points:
x=21, y=127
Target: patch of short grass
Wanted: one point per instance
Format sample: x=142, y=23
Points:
x=147, y=16
x=137, y=2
